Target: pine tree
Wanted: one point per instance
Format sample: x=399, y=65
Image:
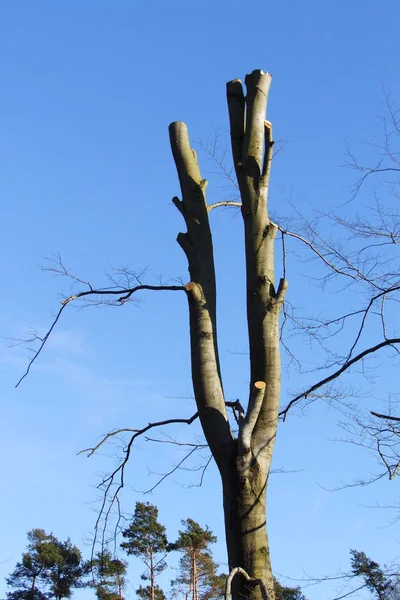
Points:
x=287, y=593
x=145, y=592
x=198, y=579
x=49, y=569
x=147, y=539
x=29, y=573
x=66, y=569
x=109, y=576
x=376, y=581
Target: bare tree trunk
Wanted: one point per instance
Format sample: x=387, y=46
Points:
x=246, y=533
x=119, y=580
x=194, y=575
x=244, y=463
x=151, y=576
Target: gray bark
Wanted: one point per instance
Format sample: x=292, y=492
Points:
x=244, y=463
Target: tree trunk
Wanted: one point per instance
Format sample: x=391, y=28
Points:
x=151, y=576
x=246, y=532
x=119, y=582
x=194, y=576
x=244, y=463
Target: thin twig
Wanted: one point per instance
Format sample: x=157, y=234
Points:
x=347, y=365
x=124, y=295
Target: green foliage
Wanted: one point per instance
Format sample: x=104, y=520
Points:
x=49, y=569
x=30, y=572
x=147, y=539
x=145, y=593
x=376, y=581
x=109, y=575
x=287, y=593
x=194, y=537
x=53, y=569
x=198, y=576
x=145, y=534
x=66, y=569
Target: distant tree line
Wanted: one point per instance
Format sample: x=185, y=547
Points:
x=51, y=569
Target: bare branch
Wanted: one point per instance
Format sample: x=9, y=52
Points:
x=225, y=203
x=136, y=432
x=238, y=410
x=347, y=365
x=388, y=417
x=109, y=498
x=124, y=295
x=175, y=468
x=317, y=252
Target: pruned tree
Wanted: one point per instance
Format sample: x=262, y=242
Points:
x=146, y=539
x=244, y=461
x=243, y=450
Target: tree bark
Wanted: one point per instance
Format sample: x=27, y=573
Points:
x=244, y=463
x=194, y=575
x=151, y=575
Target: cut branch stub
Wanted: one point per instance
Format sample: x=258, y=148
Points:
x=184, y=156
x=236, y=106
x=257, y=84
x=253, y=410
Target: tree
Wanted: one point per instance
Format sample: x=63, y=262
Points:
x=109, y=576
x=29, y=573
x=379, y=583
x=146, y=539
x=244, y=461
x=244, y=458
x=65, y=569
x=198, y=579
x=56, y=566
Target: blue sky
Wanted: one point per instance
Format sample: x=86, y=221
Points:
x=88, y=89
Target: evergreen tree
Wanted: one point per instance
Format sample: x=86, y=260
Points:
x=198, y=579
x=146, y=539
x=28, y=575
x=49, y=569
x=287, y=593
x=144, y=593
x=109, y=576
x=376, y=581
x=66, y=569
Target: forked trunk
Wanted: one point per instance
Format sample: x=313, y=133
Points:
x=244, y=463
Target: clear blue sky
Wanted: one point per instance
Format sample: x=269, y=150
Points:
x=88, y=88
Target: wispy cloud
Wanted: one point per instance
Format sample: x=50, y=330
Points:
x=69, y=341
x=317, y=501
